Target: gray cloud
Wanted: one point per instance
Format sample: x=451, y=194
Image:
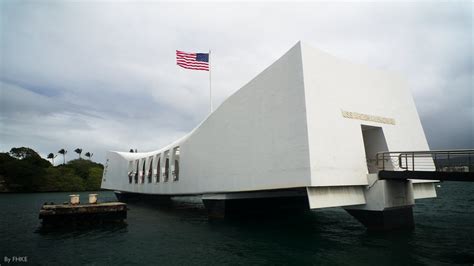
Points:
x=102, y=75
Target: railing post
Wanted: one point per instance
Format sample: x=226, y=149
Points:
x=469, y=167
x=406, y=161
x=449, y=163
x=400, y=161
x=413, y=161
x=383, y=161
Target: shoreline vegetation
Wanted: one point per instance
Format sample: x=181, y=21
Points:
x=23, y=170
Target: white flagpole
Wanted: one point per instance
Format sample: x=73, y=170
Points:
x=210, y=88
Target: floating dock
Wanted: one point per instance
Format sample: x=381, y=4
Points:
x=84, y=214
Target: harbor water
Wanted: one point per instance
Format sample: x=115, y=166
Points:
x=183, y=235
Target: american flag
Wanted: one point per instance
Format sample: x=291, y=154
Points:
x=196, y=61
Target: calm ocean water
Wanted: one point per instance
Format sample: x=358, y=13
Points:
x=183, y=235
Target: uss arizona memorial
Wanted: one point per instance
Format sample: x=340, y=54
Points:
x=304, y=133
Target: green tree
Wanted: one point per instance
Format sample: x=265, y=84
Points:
x=61, y=179
x=20, y=175
x=80, y=167
x=78, y=151
x=63, y=152
x=23, y=170
x=28, y=155
x=51, y=156
x=89, y=155
x=94, y=178
x=22, y=153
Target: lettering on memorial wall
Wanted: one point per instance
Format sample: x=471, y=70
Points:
x=366, y=117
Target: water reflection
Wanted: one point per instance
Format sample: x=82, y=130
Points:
x=87, y=231
x=181, y=233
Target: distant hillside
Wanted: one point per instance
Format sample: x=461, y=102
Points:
x=23, y=170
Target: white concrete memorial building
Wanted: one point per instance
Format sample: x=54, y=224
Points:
x=302, y=134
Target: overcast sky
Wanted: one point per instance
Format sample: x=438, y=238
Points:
x=103, y=76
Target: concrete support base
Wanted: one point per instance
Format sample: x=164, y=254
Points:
x=388, y=219
x=388, y=205
x=226, y=206
x=145, y=198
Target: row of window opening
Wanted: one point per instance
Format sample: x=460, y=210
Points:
x=139, y=170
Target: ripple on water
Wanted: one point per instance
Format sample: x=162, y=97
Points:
x=184, y=235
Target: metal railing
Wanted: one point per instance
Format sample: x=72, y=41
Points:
x=439, y=161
